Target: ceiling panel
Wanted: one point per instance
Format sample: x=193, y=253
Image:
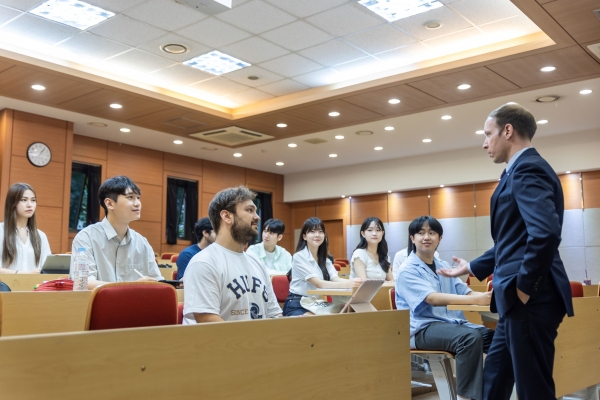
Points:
x=4, y=65
x=194, y=48
x=346, y=19
x=127, y=30
x=571, y=62
x=168, y=15
x=140, y=61
x=6, y=14
x=577, y=18
x=483, y=83
x=254, y=50
x=268, y=124
x=297, y=36
x=379, y=39
x=32, y=27
x=450, y=20
x=333, y=52
x=284, y=87
x=291, y=65
x=485, y=11
x=349, y=113
x=213, y=33
x=410, y=100
x=304, y=8
x=93, y=46
x=256, y=17
x=170, y=120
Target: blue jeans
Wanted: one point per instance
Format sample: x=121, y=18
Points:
x=292, y=307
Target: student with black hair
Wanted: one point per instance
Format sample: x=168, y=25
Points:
x=422, y=290
x=370, y=259
x=275, y=258
x=311, y=268
x=116, y=250
x=206, y=235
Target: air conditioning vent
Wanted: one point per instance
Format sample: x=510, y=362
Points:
x=315, y=141
x=595, y=48
x=597, y=12
x=232, y=136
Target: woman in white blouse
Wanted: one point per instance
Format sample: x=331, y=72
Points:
x=24, y=247
x=311, y=269
x=370, y=259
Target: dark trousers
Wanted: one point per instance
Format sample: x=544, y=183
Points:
x=523, y=349
x=468, y=345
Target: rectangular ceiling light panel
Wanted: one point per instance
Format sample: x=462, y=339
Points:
x=393, y=10
x=216, y=63
x=74, y=13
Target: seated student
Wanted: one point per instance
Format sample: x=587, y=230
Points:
x=206, y=236
x=222, y=283
x=275, y=258
x=401, y=256
x=432, y=326
x=116, y=250
x=311, y=268
x=24, y=247
x=370, y=259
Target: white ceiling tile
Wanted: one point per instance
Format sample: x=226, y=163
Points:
x=358, y=68
x=297, y=36
x=93, y=46
x=256, y=17
x=182, y=74
x=284, y=87
x=219, y=86
x=254, y=50
x=485, y=11
x=456, y=42
x=318, y=78
x=448, y=1
x=406, y=55
x=378, y=39
x=127, y=30
x=115, y=5
x=213, y=33
x=249, y=96
x=195, y=48
x=332, y=53
x=509, y=28
x=137, y=60
x=24, y=5
x=344, y=20
x=291, y=65
x=39, y=29
x=167, y=15
x=241, y=76
x=6, y=14
x=304, y=8
x=415, y=25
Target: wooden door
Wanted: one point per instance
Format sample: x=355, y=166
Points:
x=335, y=233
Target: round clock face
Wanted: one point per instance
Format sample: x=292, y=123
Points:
x=39, y=154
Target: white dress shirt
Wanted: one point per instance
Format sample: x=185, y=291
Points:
x=25, y=260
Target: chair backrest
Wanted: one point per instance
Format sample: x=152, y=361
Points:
x=281, y=287
x=174, y=258
x=489, y=278
x=468, y=282
x=489, y=286
x=166, y=256
x=174, y=275
x=345, y=261
x=337, y=266
x=576, y=289
x=180, y=313
x=4, y=287
x=131, y=305
x=393, y=299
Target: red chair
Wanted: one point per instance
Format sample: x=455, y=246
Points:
x=174, y=275
x=131, y=305
x=468, y=280
x=174, y=258
x=489, y=279
x=343, y=260
x=281, y=287
x=167, y=256
x=180, y=313
x=393, y=299
x=576, y=289
x=337, y=266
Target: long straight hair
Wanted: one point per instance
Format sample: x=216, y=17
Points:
x=9, y=246
x=309, y=225
x=416, y=226
x=382, y=247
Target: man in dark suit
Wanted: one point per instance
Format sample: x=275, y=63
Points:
x=531, y=290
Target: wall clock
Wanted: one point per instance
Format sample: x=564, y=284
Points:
x=39, y=154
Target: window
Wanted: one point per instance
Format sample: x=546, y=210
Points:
x=182, y=210
x=84, y=208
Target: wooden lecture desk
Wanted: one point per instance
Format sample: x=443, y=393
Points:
x=26, y=282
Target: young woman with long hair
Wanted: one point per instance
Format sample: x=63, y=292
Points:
x=24, y=247
x=311, y=268
x=370, y=259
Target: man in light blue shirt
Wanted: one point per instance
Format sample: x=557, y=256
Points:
x=420, y=289
x=276, y=259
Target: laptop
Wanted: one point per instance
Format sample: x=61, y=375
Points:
x=57, y=264
x=361, y=299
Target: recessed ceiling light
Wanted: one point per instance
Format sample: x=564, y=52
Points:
x=446, y=117
x=548, y=69
x=343, y=196
x=542, y=121
x=441, y=185
x=216, y=63
x=389, y=191
x=174, y=48
x=292, y=145
x=237, y=154
x=426, y=140
x=393, y=10
x=568, y=172
x=279, y=163
x=431, y=25
x=378, y=148
x=334, y=114
x=394, y=101
x=38, y=87
x=126, y=130
x=281, y=125
x=333, y=155
x=547, y=99
x=585, y=91
x=97, y=124
x=480, y=132
x=349, y=197
x=339, y=136
x=389, y=128
x=74, y=13
x=464, y=86
x=115, y=105
x=178, y=141
x=511, y=103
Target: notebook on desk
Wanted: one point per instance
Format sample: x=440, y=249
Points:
x=57, y=264
x=361, y=299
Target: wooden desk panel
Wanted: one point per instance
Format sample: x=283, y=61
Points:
x=167, y=273
x=590, y=290
x=230, y=360
x=25, y=282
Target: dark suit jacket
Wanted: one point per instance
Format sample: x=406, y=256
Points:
x=526, y=218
